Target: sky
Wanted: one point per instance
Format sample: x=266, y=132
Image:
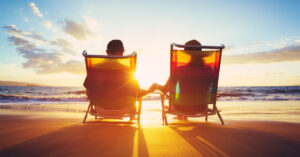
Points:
x=42, y=41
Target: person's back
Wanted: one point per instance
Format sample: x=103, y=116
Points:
x=192, y=83
x=112, y=85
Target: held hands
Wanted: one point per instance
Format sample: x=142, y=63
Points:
x=155, y=86
x=152, y=88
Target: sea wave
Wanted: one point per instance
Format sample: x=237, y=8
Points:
x=78, y=94
x=17, y=98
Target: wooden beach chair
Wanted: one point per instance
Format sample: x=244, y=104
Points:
x=194, y=78
x=112, y=88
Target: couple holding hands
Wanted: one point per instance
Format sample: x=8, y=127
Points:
x=116, y=48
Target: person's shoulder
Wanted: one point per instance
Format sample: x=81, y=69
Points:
x=112, y=65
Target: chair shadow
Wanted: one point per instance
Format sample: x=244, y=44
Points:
x=211, y=139
x=96, y=138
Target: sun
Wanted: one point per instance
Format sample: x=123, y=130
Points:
x=145, y=79
x=152, y=69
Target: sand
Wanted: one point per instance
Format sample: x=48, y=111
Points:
x=26, y=135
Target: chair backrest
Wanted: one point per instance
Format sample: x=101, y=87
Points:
x=194, y=75
x=110, y=80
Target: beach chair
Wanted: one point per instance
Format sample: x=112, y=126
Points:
x=194, y=78
x=112, y=88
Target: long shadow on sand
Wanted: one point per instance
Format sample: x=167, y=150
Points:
x=217, y=140
x=90, y=139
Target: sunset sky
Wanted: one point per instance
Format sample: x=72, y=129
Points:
x=42, y=41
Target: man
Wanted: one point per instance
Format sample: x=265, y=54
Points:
x=119, y=88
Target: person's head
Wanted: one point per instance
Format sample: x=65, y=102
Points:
x=195, y=59
x=192, y=42
x=115, y=48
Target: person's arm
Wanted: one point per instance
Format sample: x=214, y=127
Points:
x=85, y=84
x=145, y=92
x=155, y=86
x=164, y=88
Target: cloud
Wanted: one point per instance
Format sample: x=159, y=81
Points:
x=14, y=32
x=282, y=43
x=17, y=41
x=92, y=23
x=64, y=45
x=273, y=73
x=54, y=59
x=73, y=66
x=77, y=30
x=21, y=11
x=35, y=10
x=4, y=77
x=26, y=19
x=49, y=25
x=230, y=48
x=11, y=29
x=285, y=54
x=254, y=43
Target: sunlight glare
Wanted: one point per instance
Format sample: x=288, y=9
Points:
x=145, y=79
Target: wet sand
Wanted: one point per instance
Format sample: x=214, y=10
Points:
x=26, y=135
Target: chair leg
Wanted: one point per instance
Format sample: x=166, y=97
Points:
x=95, y=117
x=162, y=99
x=131, y=117
x=206, y=118
x=219, y=115
x=164, y=116
x=86, y=113
x=139, y=110
x=166, y=120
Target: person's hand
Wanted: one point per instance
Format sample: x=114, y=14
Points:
x=153, y=87
x=159, y=87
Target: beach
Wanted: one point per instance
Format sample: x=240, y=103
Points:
x=233, y=62
x=43, y=131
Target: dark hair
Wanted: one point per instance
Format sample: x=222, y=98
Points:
x=192, y=42
x=115, y=46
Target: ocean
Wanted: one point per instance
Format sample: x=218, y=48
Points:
x=277, y=103
x=12, y=94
